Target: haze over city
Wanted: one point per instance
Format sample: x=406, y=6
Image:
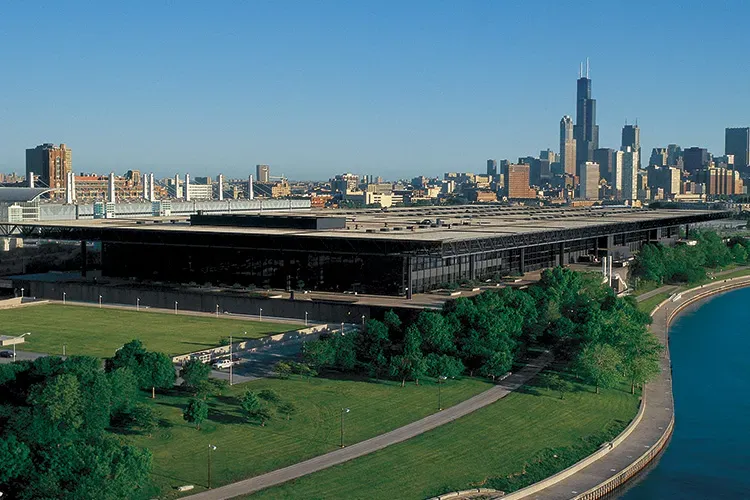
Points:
x=395, y=89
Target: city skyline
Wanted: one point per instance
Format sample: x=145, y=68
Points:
x=410, y=102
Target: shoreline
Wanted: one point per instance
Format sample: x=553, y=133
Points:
x=566, y=484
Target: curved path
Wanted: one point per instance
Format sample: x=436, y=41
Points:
x=658, y=414
x=378, y=442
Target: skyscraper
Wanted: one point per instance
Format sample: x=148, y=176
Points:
x=605, y=157
x=51, y=164
x=492, y=168
x=659, y=157
x=629, y=174
x=262, y=173
x=589, y=184
x=737, y=143
x=585, y=131
x=567, y=146
x=631, y=138
x=517, y=182
x=696, y=159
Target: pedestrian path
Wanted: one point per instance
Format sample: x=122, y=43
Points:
x=362, y=448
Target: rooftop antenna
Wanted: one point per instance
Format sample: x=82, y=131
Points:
x=580, y=71
x=587, y=67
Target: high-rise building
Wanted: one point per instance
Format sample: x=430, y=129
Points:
x=737, y=143
x=567, y=146
x=617, y=174
x=547, y=158
x=535, y=169
x=589, y=181
x=629, y=189
x=585, y=131
x=262, y=173
x=665, y=178
x=695, y=159
x=659, y=157
x=492, y=168
x=517, y=183
x=720, y=181
x=631, y=138
x=605, y=157
x=674, y=155
x=50, y=164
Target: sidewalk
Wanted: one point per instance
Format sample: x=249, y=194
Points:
x=658, y=414
x=379, y=442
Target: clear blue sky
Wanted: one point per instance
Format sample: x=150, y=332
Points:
x=398, y=88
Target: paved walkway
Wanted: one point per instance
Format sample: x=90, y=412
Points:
x=656, y=417
x=379, y=442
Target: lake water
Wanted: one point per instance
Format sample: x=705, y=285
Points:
x=709, y=454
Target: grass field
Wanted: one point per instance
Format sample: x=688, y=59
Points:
x=494, y=441
x=245, y=449
x=650, y=303
x=98, y=332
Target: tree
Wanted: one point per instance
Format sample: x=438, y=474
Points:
x=393, y=323
x=124, y=386
x=437, y=333
x=600, y=363
x=14, y=458
x=196, y=412
x=373, y=347
x=59, y=400
x=254, y=408
x=282, y=369
x=128, y=356
x=497, y=364
x=554, y=382
x=269, y=395
x=211, y=387
x=157, y=371
x=143, y=417
x=194, y=371
x=318, y=353
x=287, y=409
x=640, y=358
x=739, y=254
x=437, y=365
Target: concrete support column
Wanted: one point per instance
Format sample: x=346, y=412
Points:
x=84, y=258
x=408, y=275
x=522, y=260
x=561, y=252
x=472, y=266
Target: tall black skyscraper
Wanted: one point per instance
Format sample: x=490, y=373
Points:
x=737, y=143
x=631, y=138
x=585, y=131
x=492, y=168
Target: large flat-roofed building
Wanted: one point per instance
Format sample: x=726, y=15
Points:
x=51, y=165
x=395, y=252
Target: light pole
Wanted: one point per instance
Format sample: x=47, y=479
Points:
x=217, y=310
x=342, y=328
x=343, y=411
x=210, y=449
x=231, y=362
x=63, y=298
x=64, y=345
x=175, y=307
x=305, y=318
x=260, y=314
x=100, y=301
x=363, y=322
x=14, y=344
x=441, y=379
x=137, y=303
x=21, y=293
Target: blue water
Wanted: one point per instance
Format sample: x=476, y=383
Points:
x=709, y=454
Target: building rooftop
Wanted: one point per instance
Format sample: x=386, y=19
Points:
x=20, y=194
x=413, y=224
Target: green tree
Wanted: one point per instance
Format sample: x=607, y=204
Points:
x=269, y=395
x=393, y=323
x=255, y=409
x=194, y=372
x=59, y=400
x=157, y=372
x=287, y=409
x=437, y=333
x=196, y=412
x=600, y=363
x=15, y=458
x=443, y=365
x=318, y=353
x=211, y=387
x=373, y=347
x=282, y=369
x=124, y=386
x=129, y=356
x=554, y=382
x=739, y=254
x=496, y=365
x=143, y=417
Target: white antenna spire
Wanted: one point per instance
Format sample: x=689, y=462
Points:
x=580, y=71
x=587, y=67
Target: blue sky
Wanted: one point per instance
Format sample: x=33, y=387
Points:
x=397, y=88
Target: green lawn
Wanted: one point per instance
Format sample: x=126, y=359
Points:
x=494, y=441
x=650, y=303
x=98, y=332
x=246, y=449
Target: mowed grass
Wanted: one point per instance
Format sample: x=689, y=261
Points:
x=650, y=303
x=99, y=332
x=246, y=449
x=494, y=441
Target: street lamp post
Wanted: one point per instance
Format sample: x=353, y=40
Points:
x=137, y=303
x=63, y=298
x=231, y=362
x=14, y=344
x=210, y=449
x=342, y=328
x=343, y=411
x=363, y=321
x=21, y=293
x=217, y=310
x=175, y=307
x=260, y=314
x=441, y=379
x=64, y=345
x=305, y=318
x=100, y=301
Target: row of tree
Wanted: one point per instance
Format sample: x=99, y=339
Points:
x=688, y=263
x=573, y=313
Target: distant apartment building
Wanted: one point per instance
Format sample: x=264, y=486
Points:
x=263, y=173
x=481, y=195
x=659, y=157
x=666, y=179
x=517, y=184
x=631, y=138
x=94, y=187
x=605, y=157
x=492, y=168
x=279, y=189
x=617, y=174
x=589, y=181
x=737, y=143
x=629, y=190
x=721, y=181
x=50, y=165
x=344, y=182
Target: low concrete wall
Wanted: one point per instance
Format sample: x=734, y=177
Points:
x=19, y=302
x=8, y=303
x=469, y=493
x=303, y=335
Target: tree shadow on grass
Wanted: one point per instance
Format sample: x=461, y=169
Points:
x=221, y=417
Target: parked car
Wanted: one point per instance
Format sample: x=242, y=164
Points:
x=223, y=363
x=6, y=354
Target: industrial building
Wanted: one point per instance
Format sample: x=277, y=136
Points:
x=395, y=252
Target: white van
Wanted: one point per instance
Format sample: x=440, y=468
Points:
x=223, y=364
